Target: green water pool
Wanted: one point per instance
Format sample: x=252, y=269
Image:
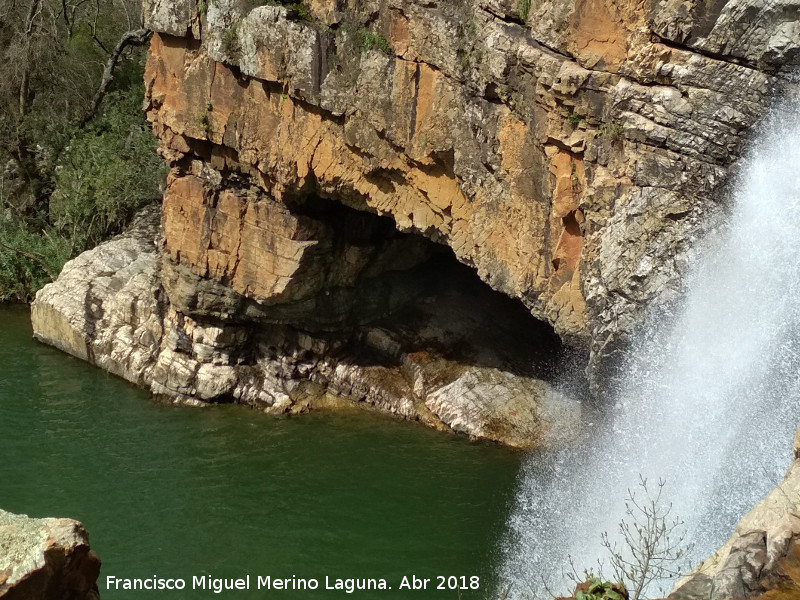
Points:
x=177, y=492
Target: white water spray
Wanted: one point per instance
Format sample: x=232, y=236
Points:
x=709, y=401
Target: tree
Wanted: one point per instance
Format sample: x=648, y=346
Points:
x=653, y=544
x=76, y=155
x=55, y=57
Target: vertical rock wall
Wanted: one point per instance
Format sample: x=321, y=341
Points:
x=571, y=151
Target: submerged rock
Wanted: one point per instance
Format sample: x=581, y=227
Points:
x=46, y=559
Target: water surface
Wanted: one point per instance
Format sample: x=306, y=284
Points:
x=227, y=491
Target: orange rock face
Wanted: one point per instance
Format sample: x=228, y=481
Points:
x=288, y=149
x=257, y=247
x=549, y=145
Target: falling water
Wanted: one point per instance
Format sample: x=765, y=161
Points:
x=709, y=400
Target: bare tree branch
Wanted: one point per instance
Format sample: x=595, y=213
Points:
x=654, y=544
x=136, y=37
x=24, y=87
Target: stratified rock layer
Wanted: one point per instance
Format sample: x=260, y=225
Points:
x=46, y=559
x=570, y=151
x=439, y=360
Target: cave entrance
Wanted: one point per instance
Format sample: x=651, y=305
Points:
x=416, y=298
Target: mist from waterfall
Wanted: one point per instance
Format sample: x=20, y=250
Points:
x=709, y=400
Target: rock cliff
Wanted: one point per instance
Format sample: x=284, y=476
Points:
x=441, y=361
x=420, y=206
x=46, y=559
x=570, y=151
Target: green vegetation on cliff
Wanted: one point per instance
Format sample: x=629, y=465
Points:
x=76, y=154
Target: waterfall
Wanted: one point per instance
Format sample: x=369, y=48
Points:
x=709, y=399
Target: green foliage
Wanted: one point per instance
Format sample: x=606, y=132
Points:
x=613, y=131
x=102, y=175
x=28, y=260
x=203, y=118
x=573, y=119
x=371, y=40
x=65, y=187
x=202, y=8
x=523, y=8
x=230, y=40
x=300, y=11
x=601, y=590
x=352, y=42
x=108, y=172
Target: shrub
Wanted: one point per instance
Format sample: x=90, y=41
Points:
x=230, y=40
x=613, y=131
x=523, y=8
x=573, y=118
x=28, y=260
x=109, y=171
x=595, y=589
x=370, y=39
x=72, y=172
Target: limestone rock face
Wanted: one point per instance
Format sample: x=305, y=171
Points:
x=74, y=315
x=46, y=559
x=760, y=34
x=570, y=151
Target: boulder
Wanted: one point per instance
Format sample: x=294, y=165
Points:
x=46, y=559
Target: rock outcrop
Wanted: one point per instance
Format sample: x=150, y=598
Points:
x=762, y=557
x=440, y=361
x=46, y=559
x=571, y=153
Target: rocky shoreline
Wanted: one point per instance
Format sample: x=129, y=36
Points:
x=356, y=196
x=108, y=307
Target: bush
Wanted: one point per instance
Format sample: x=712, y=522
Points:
x=613, y=131
x=573, y=118
x=595, y=589
x=28, y=260
x=370, y=39
x=102, y=174
x=230, y=40
x=72, y=173
x=108, y=172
